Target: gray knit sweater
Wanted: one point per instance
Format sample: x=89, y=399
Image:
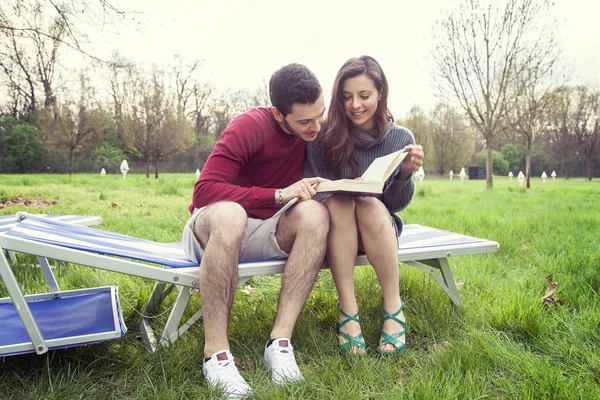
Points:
x=397, y=194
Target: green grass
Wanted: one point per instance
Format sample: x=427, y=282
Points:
x=504, y=342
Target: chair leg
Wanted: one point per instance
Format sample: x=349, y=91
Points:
x=447, y=284
x=18, y=300
x=50, y=279
x=12, y=256
x=159, y=293
x=171, y=332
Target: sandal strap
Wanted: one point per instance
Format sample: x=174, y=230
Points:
x=394, y=315
x=351, y=341
x=347, y=316
x=393, y=339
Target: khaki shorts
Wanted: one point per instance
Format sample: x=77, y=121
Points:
x=259, y=242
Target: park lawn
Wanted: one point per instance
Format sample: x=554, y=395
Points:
x=504, y=343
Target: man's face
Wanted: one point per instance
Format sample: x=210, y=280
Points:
x=304, y=120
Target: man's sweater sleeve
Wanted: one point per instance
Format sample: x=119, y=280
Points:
x=239, y=142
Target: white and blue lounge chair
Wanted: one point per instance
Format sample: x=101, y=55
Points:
x=59, y=319
x=9, y=221
x=422, y=247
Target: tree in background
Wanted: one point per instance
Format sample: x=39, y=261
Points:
x=452, y=143
x=499, y=165
x=481, y=50
x=512, y=155
x=20, y=146
x=153, y=128
x=585, y=123
x=74, y=122
x=29, y=55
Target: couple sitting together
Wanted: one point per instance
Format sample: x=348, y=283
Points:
x=270, y=155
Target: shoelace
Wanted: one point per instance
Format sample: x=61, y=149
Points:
x=284, y=357
x=227, y=372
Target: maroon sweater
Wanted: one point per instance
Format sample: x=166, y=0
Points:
x=252, y=159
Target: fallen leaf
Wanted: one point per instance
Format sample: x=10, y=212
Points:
x=441, y=346
x=148, y=214
x=459, y=285
x=249, y=290
x=113, y=204
x=552, y=286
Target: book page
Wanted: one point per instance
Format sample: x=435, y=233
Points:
x=381, y=167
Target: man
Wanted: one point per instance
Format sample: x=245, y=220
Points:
x=255, y=169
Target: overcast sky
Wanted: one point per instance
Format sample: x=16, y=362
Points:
x=243, y=41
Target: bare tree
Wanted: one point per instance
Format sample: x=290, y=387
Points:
x=153, y=128
x=481, y=50
x=70, y=125
x=585, y=123
x=452, y=143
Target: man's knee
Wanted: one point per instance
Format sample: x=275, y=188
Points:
x=311, y=216
x=225, y=220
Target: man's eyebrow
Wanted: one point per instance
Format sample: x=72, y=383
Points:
x=309, y=119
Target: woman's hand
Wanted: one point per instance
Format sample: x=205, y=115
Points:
x=413, y=161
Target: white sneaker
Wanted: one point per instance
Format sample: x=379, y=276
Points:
x=221, y=373
x=279, y=356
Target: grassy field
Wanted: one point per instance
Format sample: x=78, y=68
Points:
x=504, y=343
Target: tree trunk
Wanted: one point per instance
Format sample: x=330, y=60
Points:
x=147, y=160
x=528, y=167
x=71, y=156
x=489, y=166
x=156, y=169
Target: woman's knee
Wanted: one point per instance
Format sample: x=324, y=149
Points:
x=340, y=206
x=372, y=213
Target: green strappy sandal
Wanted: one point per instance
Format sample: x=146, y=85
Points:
x=394, y=338
x=351, y=341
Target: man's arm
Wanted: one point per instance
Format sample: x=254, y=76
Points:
x=230, y=155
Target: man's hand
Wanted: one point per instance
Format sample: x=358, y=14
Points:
x=302, y=189
x=413, y=161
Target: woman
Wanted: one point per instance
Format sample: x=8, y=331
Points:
x=358, y=129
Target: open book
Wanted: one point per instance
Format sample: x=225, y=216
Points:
x=372, y=180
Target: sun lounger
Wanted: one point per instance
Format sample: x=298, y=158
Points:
x=9, y=221
x=57, y=319
x=422, y=247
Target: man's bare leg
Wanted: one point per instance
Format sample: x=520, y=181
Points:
x=219, y=228
x=301, y=232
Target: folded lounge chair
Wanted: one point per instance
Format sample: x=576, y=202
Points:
x=422, y=247
x=57, y=319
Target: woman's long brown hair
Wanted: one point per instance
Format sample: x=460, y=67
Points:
x=337, y=146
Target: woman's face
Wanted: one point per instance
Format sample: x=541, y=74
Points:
x=360, y=101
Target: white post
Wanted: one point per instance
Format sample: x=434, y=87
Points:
x=124, y=168
x=462, y=174
x=510, y=175
x=103, y=172
x=420, y=174
x=451, y=174
x=197, y=173
x=521, y=178
x=553, y=175
x=544, y=176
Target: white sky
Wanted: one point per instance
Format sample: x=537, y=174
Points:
x=243, y=41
